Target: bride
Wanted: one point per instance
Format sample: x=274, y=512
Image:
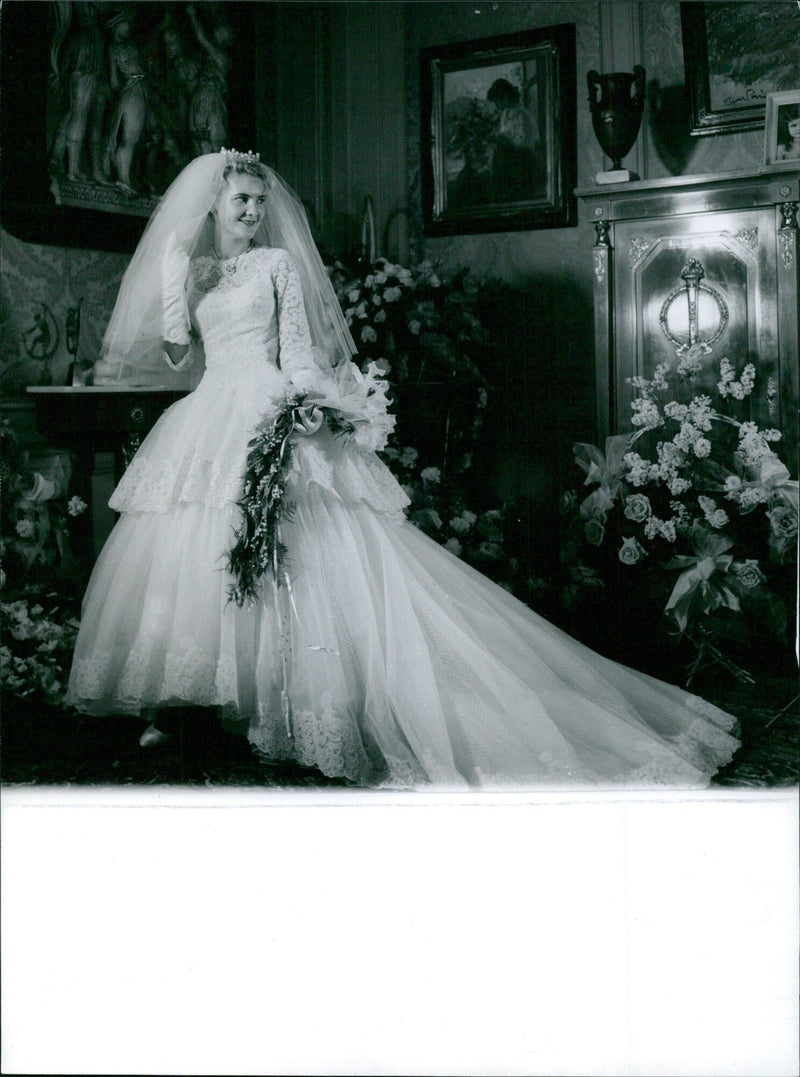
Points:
x=371, y=653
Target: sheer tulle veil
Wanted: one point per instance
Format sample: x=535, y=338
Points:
x=132, y=350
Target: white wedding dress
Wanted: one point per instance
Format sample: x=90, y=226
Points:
x=400, y=664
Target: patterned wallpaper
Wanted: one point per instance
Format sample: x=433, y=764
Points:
x=38, y=285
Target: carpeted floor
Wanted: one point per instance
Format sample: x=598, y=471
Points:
x=42, y=746
x=46, y=746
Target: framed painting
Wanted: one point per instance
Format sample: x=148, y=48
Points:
x=499, y=133
x=103, y=107
x=735, y=54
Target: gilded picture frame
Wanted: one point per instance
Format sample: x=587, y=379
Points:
x=735, y=55
x=498, y=136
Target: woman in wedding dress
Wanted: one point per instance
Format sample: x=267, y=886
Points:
x=377, y=655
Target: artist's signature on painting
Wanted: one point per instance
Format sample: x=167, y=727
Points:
x=750, y=95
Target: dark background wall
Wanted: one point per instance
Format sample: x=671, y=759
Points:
x=336, y=111
x=350, y=128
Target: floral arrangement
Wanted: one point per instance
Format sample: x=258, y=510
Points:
x=35, y=661
x=434, y=337
x=36, y=517
x=697, y=506
x=417, y=324
x=353, y=405
x=429, y=334
x=38, y=565
x=439, y=508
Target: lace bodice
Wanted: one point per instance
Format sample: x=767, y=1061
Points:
x=258, y=346
x=252, y=315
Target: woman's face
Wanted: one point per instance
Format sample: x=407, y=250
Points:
x=793, y=127
x=239, y=208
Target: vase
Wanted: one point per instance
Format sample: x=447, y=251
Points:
x=616, y=103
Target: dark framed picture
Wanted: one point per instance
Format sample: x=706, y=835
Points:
x=499, y=133
x=782, y=130
x=735, y=54
x=104, y=104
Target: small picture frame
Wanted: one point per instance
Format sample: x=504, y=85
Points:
x=782, y=130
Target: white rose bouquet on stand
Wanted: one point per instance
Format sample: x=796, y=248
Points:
x=699, y=502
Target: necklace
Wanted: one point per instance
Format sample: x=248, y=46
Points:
x=229, y=264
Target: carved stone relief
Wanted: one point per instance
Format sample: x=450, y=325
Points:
x=135, y=93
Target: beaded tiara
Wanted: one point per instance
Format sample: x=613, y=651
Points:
x=236, y=157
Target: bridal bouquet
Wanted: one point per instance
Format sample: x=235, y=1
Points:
x=354, y=405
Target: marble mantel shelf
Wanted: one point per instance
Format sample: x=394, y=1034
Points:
x=80, y=390
x=688, y=195
x=773, y=172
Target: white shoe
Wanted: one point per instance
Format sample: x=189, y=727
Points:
x=152, y=737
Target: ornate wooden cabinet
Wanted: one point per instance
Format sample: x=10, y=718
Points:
x=702, y=262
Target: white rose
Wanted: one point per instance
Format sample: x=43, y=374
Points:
x=630, y=552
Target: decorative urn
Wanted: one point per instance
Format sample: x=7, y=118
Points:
x=616, y=102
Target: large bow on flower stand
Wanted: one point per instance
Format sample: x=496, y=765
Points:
x=703, y=584
x=604, y=469
x=706, y=584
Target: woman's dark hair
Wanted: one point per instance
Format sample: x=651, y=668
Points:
x=785, y=115
x=503, y=93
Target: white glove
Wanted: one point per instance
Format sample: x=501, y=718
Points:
x=175, y=311
x=304, y=379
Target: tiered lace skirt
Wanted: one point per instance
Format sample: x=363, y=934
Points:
x=381, y=658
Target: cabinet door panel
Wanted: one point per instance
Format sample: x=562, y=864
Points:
x=706, y=282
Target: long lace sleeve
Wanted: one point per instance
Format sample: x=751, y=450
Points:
x=174, y=309
x=294, y=337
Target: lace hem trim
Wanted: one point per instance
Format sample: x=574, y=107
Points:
x=186, y=675
x=324, y=738
x=331, y=741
